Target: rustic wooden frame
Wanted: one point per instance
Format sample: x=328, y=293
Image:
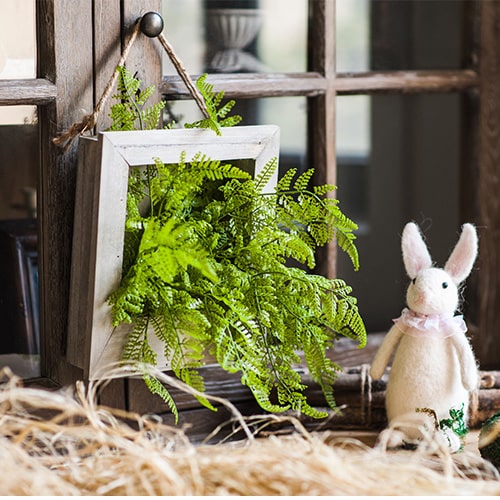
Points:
x=100, y=211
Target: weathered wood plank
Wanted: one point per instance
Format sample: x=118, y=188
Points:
x=360, y=399
x=64, y=29
x=321, y=116
x=313, y=84
x=441, y=81
x=469, y=139
x=144, y=59
x=83, y=256
x=117, y=18
x=107, y=51
x=37, y=91
x=251, y=85
x=487, y=341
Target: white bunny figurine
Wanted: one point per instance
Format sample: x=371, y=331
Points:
x=434, y=366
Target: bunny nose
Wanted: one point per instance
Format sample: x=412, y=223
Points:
x=417, y=298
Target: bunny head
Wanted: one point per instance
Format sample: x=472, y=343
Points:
x=433, y=290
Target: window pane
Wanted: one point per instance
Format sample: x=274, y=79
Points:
x=411, y=172
x=353, y=125
x=352, y=35
x=282, y=43
x=18, y=161
x=17, y=46
x=17, y=115
x=289, y=113
x=225, y=36
x=19, y=165
x=353, y=144
x=406, y=35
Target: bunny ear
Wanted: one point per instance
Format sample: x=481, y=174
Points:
x=415, y=254
x=459, y=264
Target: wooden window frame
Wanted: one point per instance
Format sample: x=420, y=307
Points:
x=66, y=84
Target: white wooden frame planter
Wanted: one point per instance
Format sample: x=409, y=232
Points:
x=100, y=212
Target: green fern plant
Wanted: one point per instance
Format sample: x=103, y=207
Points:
x=218, y=114
x=130, y=113
x=207, y=271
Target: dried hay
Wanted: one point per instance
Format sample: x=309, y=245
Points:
x=62, y=443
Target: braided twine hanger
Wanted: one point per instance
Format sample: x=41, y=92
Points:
x=151, y=24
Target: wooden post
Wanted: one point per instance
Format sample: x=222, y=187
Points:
x=144, y=59
x=487, y=289
x=107, y=49
x=321, y=118
x=64, y=44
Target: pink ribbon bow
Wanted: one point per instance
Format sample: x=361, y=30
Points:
x=431, y=325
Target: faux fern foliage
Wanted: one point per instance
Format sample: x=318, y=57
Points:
x=130, y=112
x=217, y=113
x=211, y=267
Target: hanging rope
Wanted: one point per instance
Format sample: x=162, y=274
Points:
x=195, y=93
x=151, y=25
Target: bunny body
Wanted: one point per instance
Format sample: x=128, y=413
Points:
x=426, y=373
x=433, y=366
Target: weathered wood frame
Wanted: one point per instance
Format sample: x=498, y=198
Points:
x=100, y=211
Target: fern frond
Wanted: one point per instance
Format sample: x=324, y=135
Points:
x=284, y=184
x=133, y=347
x=324, y=189
x=217, y=117
x=192, y=378
x=262, y=393
x=151, y=117
x=303, y=180
x=129, y=113
x=144, y=95
x=266, y=174
x=156, y=387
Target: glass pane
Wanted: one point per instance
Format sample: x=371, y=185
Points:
x=17, y=115
x=226, y=36
x=353, y=144
x=282, y=44
x=18, y=161
x=289, y=113
x=352, y=35
x=411, y=171
x=406, y=35
x=20, y=344
x=17, y=46
x=19, y=164
x=353, y=125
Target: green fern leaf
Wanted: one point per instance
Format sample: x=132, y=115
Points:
x=303, y=180
x=284, y=184
x=156, y=387
x=217, y=116
x=324, y=189
x=266, y=174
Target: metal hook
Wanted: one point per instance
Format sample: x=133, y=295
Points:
x=151, y=24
